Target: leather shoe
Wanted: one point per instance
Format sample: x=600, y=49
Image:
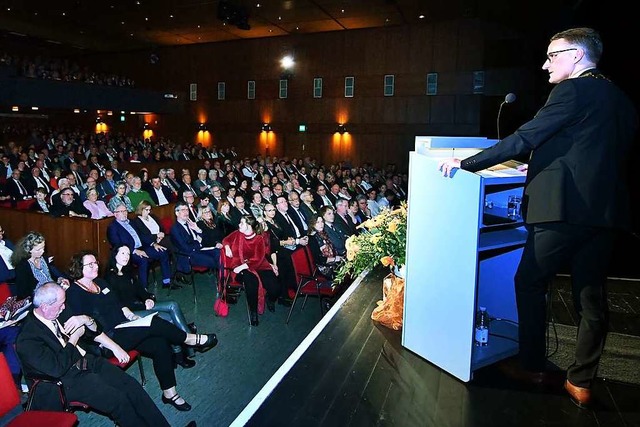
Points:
x=581, y=396
x=512, y=369
x=285, y=301
x=212, y=341
x=184, y=407
x=183, y=361
x=254, y=319
x=271, y=305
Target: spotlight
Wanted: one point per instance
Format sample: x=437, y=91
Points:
x=266, y=127
x=146, y=126
x=202, y=127
x=341, y=129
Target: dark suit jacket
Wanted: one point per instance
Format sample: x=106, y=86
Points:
x=12, y=189
x=184, y=243
x=41, y=353
x=143, y=232
x=236, y=215
x=285, y=226
x=118, y=235
x=31, y=184
x=166, y=191
x=104, y=189
x=579, y=143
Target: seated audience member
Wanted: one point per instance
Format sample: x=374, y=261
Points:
x=363, y=209
x=148, y=226
x=307, y=206
x=91, y=183
x=55, y=194
x=239, y=210
x=137, y=194
x=69, y=205
x=41, y=204
x=257, y=205
x=120, y=198
x=32, y=268
x=223, y=218
x=211, y=234
x=189, y=199
x=15, y=188
x=337, y=237
x=138, y=300
x=35, y=181
x=201, y=185
x=171, y=182
x=186, y=237
x=342, y=220
x=324, y=253
x=91, y=294
x=160, y=194
x=97, y=207
x=101, y=385
x=121, y=232
x=107, y=188
x=7, y=271
x=246, y=251
x=372, y=202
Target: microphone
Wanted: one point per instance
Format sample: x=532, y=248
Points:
x=508, y=99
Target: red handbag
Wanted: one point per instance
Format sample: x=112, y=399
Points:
x=220, y=306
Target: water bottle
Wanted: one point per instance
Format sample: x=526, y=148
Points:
x=482, y=327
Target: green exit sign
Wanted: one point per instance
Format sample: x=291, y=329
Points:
x=302, y=128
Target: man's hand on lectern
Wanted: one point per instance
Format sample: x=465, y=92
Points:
x=448, y=166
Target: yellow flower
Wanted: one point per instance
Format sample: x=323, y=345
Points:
x=386, y=261
x=375, y=238
x=393, y=226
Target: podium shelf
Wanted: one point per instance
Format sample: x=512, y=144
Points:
x=503, y=343
x=496, y=239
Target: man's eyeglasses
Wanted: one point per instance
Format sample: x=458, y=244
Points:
x=552, y=55
x=91, y=264
x=120, y=211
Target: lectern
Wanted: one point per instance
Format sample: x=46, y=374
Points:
x=462, y=253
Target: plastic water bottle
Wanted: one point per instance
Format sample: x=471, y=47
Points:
x=482, y=327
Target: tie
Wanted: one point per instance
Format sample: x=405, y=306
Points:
x=293, y=224
x=59, y=332
x=302, y=219
x=23, y=190
x=78, y=179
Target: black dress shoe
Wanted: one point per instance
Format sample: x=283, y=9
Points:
x=285, y=301
x=192, y=328
x=271, y=305
x=185, y=362
x=184, y=407
x=212, y=341
x=254, y=319
x=191, y=424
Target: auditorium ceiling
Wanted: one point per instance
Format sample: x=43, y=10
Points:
x=119, y=25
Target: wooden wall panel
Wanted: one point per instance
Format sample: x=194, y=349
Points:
x=453, y=49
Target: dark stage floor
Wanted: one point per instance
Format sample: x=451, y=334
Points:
x=356, y=373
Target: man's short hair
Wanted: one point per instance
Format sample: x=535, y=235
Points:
x=46, y=293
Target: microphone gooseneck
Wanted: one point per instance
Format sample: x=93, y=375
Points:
x=508, y=99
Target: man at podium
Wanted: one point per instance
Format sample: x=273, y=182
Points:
x=575, y=200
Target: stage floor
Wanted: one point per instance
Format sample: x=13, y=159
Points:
x=356, y=373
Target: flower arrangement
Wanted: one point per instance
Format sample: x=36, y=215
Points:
x=383, y=240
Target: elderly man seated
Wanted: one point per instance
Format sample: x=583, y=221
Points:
x=69, y=205
x=120, y=232
x=49, y=346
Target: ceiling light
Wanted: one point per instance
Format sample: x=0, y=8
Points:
x=34, y=108
x=15, y=108
x=287, y=62
x=341, y=129
x=266, y=127
x=421, y=16
x=76, y=111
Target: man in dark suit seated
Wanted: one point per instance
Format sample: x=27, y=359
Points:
x=160, y=193
x=239, y=210
x=47, y=347
x=185, y=236
x=69, y=205
x=121, y=232
x=15, y=188
x=337, y=237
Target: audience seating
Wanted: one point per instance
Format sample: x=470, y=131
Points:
x=310, y=281
x=5, y=292
x=134, y=355
x=10, y=399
